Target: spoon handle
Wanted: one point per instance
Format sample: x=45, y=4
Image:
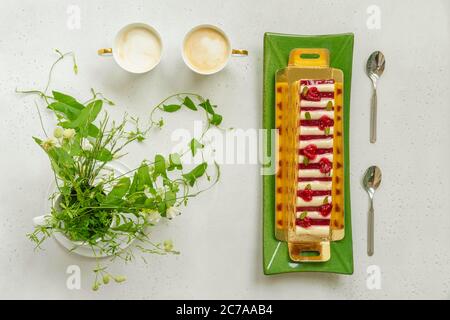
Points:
x=370, y=230
x=373, y=117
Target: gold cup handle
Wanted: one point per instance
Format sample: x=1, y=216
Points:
x=239, y=52
x=104, y=51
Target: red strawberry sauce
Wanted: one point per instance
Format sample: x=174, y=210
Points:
x=325, y=165
x=318, y=151
x=322, y=123
x=308, y=194
x=316, y=82
x=310, y=151
x=313, y=137
x=307, y=222
x=307, y=179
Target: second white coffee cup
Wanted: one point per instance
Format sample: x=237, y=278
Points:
x=207, y=49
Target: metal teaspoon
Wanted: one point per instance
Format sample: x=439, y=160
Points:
x=374, y=68
x=371, y=181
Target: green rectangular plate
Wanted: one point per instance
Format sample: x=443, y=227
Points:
x=276, y=52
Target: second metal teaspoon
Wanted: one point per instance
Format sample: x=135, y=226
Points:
x=374, y=68
x=371, y=181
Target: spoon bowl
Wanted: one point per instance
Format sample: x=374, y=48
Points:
x=371, y=182
x=375, y=66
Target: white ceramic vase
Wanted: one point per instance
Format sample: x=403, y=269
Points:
x=100, y=250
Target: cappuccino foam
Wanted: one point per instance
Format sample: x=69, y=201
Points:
x=139, y=49
x=206, y=49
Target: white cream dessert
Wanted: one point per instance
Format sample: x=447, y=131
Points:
x=315, y=169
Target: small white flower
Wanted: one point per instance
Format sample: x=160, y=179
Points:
x=154, y=217
x=86, y=145
x=68, y=133
x=161, y=191
x=147, y=192
x=58, y=132
x=172, y=212
x=49, y=143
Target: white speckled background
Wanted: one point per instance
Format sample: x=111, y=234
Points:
x=219, y=234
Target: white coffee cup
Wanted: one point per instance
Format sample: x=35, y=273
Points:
x=137, y=48
x=206, y=49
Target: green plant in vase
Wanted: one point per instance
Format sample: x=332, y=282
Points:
x=99, y=208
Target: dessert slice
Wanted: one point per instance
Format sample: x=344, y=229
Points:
x=316, y=157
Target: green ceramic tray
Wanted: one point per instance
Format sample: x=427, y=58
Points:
x=276, y=52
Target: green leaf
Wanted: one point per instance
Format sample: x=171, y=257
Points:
x=171, y=107
x=75, y=147
x=303, y=215
x=194, y=145
x=325, y=200
x=175, y=158
x=103, y=155
x=133, y=185
x=192, y=176
x=125, y=227
x=66, y=99
x=305, y=91
x=305, y=160
x=162, y=208
x=61, y=157
x=216, y=119
x=150, y=203
x=170, y=198
x=93, y=130
x=207, y=106
x=308, y=187
x=327, y=131
x=140, y=138
x=175, y=162
x=307, y=116
x=37, y=140
x=329, y=106
x=86, y=117
x=118, y=191
x=160, y=165
x=62, y=162
x=69, y=112
x=189, y=103
x=143, y=178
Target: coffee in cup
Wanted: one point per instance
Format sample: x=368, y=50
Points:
x=206, y=49
x=137, y=48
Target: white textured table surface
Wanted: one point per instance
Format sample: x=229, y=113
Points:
x=219, y=234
